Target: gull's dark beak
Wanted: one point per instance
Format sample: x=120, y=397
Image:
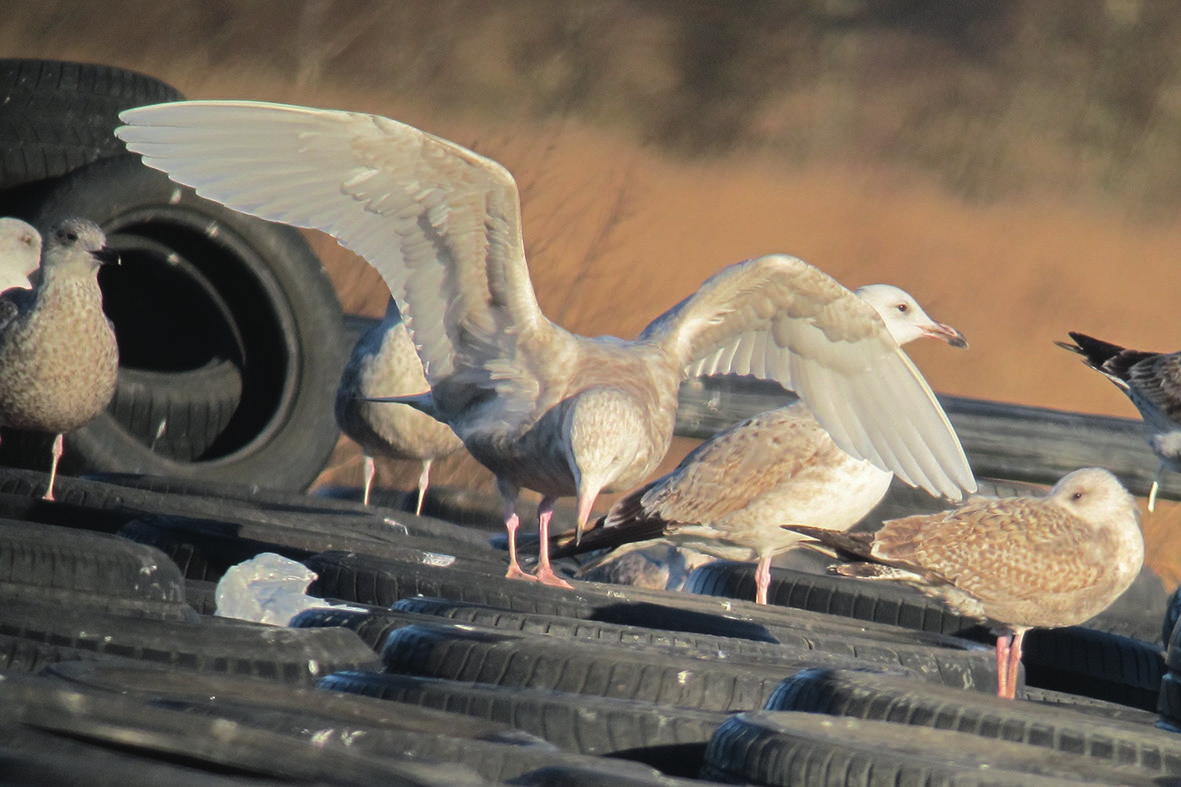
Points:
x=107, y=256
x=945, y=333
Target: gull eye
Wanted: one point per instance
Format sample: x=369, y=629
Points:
x=903, y=308
x=1077, y=496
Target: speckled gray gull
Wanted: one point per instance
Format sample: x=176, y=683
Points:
x=20, y=253
x=1153, y=382
x=1015, y=563
x=728, y=497
x=540, y=407
x=384, y=363
x=58, y=357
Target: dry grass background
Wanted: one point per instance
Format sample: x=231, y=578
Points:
x=1014, y=164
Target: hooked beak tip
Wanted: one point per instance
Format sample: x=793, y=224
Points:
x=945, y=333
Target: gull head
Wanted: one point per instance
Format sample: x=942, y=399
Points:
x=1095, y=496
x=78, y=244
x=605, y=436
x=904, y=318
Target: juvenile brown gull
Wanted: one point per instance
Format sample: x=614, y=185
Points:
x=384, y=363
x=58, y=356
x=1015, y=563
x=1153, y=382
x=728, y=497
x=543, y=408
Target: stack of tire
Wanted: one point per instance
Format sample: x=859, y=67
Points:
x=230, y=334
x=438, y=670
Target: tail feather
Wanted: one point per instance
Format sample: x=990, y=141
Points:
x=846, y=545
x=1104, y=357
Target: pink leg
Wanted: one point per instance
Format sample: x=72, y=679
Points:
x=57, y=455
x=370, y=471
x=1003, y=642
x=762, y=579
x=545, y=572
x=511, y=523
x=1014, y=663
x=424, y=478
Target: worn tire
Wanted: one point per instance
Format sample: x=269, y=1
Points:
x=870, y=696
x=785, y=747
x=211, y=645
x=221, y=301
x=670, y=738
x=57, y=116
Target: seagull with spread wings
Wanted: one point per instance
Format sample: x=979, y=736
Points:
x=542, y=408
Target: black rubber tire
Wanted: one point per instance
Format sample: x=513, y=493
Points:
x=782, y=748
x=651, y=673
x=211, y=645
x=239, y=496
x=179, y=415
x=86, y=564
x=865, y=695
x=969, y=667
x=882, y=602
x=201, y=286
x=56, y=116
x=670, y=738
x=206, y=547
x=496, y=751
x=160, y=681
x=162, y=734
x=370, y=580
x=33, y=757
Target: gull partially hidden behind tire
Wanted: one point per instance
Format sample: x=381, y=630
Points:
x=543, y=408
x=1015, y=563
x=384, y=363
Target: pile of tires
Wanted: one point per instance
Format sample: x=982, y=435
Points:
x=432, y=668
x=230, y=334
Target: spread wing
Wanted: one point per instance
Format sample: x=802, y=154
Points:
x=440, y=223
x=779, y=317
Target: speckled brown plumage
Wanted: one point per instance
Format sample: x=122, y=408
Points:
x=384, y=363
x=58, y=357
x=1016, y=563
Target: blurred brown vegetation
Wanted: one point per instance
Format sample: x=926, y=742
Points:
x=1015, y=164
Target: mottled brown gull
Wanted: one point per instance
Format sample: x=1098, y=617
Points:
x=58, y=356
x=543, y=408
x=1015, y=563
x=1153, y=382
x=728, y=497
x=384, y=363
x=20, y=253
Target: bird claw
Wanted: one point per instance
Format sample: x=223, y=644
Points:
x=515, y=572
x=548, y=577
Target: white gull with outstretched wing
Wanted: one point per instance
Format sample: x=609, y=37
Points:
x=543, y=408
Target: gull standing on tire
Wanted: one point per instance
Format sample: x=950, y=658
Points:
x=1015, y=563
x=20, y=253
x=542, y=408
x=1153, y=382
x=384, y=363
x=728, y=497
x=58, y=357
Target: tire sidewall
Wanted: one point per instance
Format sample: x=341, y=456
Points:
x=292, y=448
